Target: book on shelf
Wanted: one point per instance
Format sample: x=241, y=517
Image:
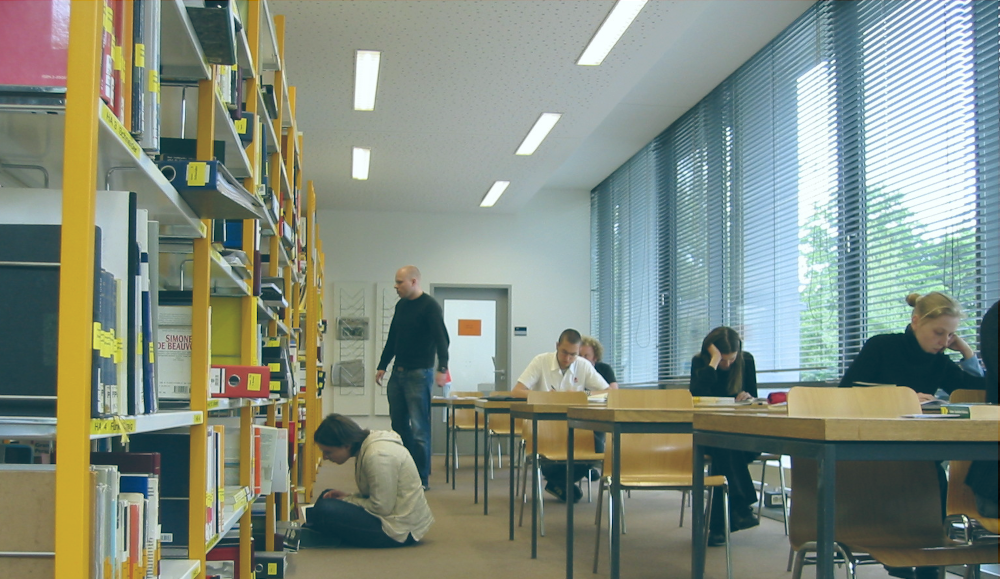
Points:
x=149, y=138
x=216, y=31
x=211, y=190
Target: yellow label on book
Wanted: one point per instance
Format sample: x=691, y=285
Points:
x=118, y=57
x=272, y=569
x=274, y=366
x=119, y=129
x=109, y=19
x=209, y=499
x=96, y=343
x=152, y=352
x=154, y=83
x=253, y=383
x=241, y=126
x=197, y=174
x=140, y=55
x=275, y=386
x=119, y=350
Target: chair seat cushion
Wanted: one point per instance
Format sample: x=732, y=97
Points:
x=665, y=480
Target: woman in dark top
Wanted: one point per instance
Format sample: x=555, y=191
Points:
x=592, y=351
x=723, y=369
x=916, y=358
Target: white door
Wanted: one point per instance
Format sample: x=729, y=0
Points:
x=471, y=326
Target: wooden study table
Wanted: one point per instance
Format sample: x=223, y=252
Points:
x=450, y=404
x=620, y=421
x=536, y=413
x=486, y=407
x=829, y=440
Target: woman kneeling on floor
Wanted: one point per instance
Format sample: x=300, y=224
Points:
x=389, y=509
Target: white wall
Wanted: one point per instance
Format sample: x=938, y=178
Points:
x=542, y=252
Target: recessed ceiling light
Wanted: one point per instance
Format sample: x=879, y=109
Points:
x=366, y=79
x=494, y=193
x=362, y=160
x=611, y=31
x=538, y=133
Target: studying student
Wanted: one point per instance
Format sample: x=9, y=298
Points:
x=723, y=369
x=389, y=509
x=592, y=351
x=918, y=357
x=416, y=333
x=561, y=371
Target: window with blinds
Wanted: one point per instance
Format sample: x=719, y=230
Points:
x=855, y=159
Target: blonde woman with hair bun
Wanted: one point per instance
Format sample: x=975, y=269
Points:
x=917, y=358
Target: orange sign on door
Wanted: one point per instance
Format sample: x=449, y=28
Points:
x=470, y=327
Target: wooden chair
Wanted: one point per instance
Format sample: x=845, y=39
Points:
x=499, y=427
x=889, y=510
x=462, y=420
x=655, y=461
x=553, y=439
x=961, y=500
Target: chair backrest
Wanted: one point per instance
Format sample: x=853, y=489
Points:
x=465, y=418
x=961, y=499
x=875, y=499
x=553, y=435
x=965, y=395
x=645, y=454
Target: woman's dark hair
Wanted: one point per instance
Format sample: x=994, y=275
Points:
x=728, y=342
x=339, y=430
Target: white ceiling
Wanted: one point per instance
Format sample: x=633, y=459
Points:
x=462, y=82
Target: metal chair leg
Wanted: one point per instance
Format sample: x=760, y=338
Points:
x=684, y=496
x=784, y=495
x=597, y=521
x=524, y=493
x=799, y=560
x=729, y=556
x=621, y=509
x=541, y=499
x=763, y=486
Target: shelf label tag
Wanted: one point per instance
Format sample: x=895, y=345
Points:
x=119, y=129
x=197, y=174
x=140, y=55
x=109, y=19
x=116, y=425
x=199, y=418
x=253, y=384
x=213, y=404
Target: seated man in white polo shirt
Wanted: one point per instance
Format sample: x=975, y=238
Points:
x=562, y=371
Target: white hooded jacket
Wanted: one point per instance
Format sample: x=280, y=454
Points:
x=389, y=486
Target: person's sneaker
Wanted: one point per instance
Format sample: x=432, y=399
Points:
x=556, y=490
x=594, y=474
x=426, y=487
x=716, y=539
x=901, y=572
x=577, y=493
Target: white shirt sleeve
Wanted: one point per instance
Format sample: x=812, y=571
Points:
x=592, y=380
x=532, y=375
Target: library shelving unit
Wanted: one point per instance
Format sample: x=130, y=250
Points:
x=96, y=148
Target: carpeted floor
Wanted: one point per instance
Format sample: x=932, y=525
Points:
x=465, y=543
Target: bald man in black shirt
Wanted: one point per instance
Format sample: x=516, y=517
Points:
x=416, y=334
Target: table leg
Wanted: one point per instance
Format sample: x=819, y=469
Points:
x=570, y=450
x=447, y=444
x=698, y=512
x=486, y=461
x=475, y=464
x=513, y=475
x=614, y=502
x=534, y=488
x=825, y=519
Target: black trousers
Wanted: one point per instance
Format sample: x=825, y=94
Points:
x=734, y=465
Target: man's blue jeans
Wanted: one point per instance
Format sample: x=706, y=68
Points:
x=409, y=393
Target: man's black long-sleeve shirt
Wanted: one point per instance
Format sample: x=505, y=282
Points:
x=417, y=332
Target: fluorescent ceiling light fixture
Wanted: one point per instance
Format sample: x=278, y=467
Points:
x=611, y=31
x=494, y=193
x=362, y=160
x=538, y=133
x=366, y=79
